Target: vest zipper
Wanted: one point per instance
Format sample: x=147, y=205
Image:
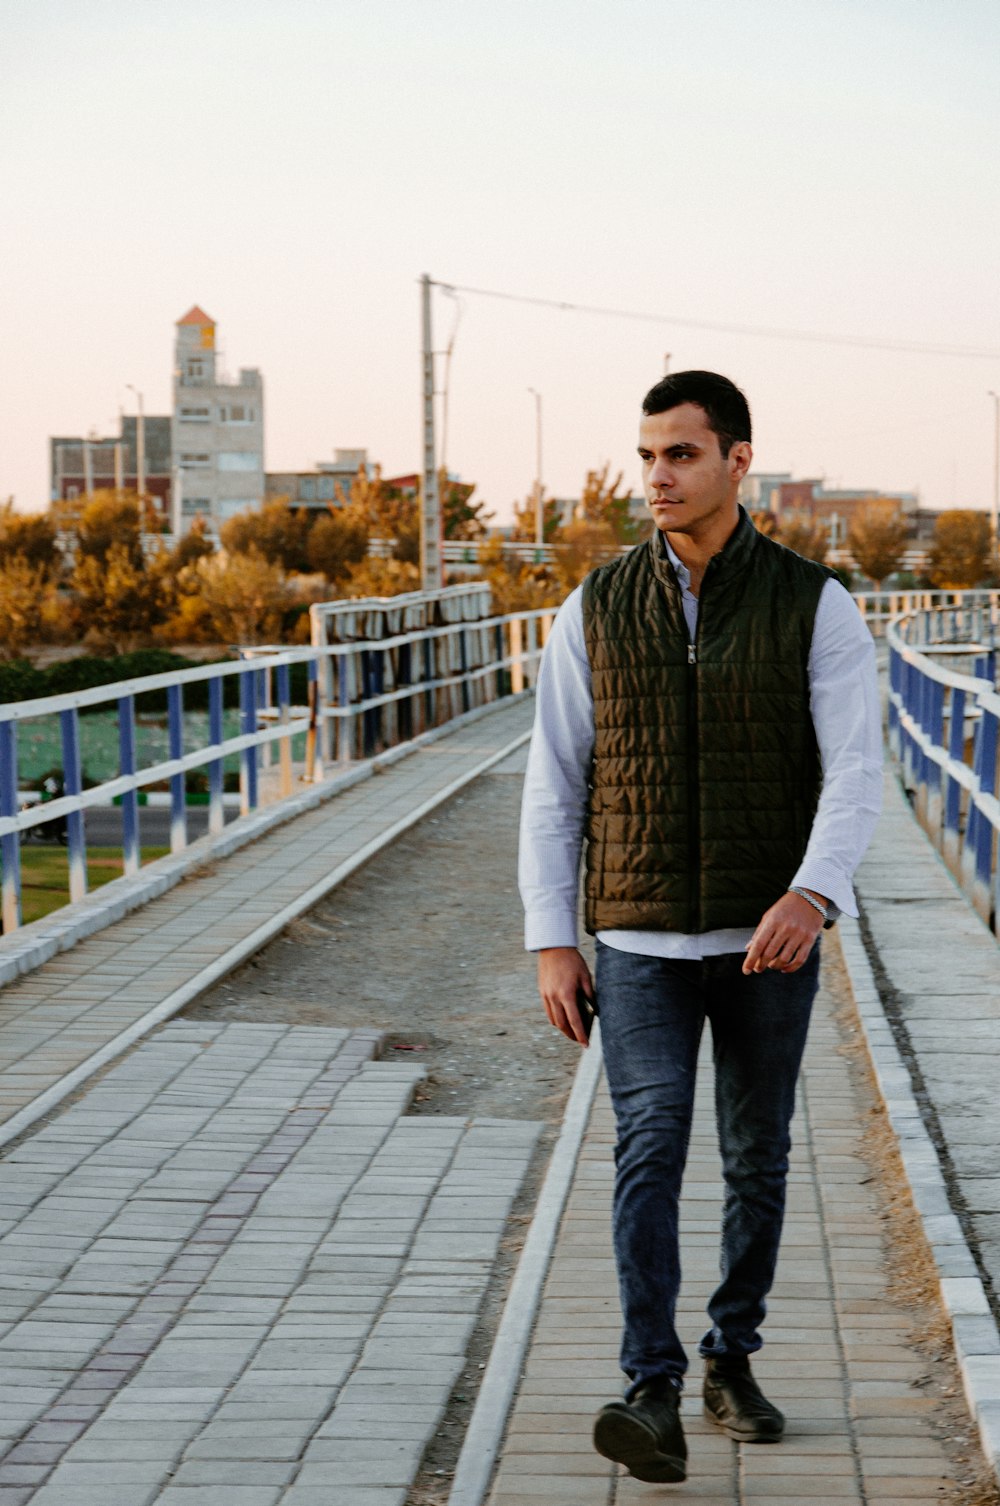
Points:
x=694, y=766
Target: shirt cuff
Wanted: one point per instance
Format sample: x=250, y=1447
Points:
x=545, y=928
x=823, y=878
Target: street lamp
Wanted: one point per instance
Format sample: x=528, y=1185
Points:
x=996, y=465
x=140, y=444
x=539, y=505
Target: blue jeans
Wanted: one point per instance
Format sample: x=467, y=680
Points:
x=652, y=1010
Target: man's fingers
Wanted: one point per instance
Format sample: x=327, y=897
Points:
x=565, y=1016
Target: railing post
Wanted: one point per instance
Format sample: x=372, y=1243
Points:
x=953, y=789
x=69, y=724
x=130, y=799
x=216, y=769
x=498, y=651
x=10, y=842
x=985, y=831
x=403, y=675
x=248, y=756
x=284, y=716
x=531, y=674
x=516, y=658
x=178, y=794
x=463, y=650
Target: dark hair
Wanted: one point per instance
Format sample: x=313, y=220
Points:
x=724, y=405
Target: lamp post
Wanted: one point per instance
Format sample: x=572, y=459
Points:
x=996, y=467
x=539, y=505
x=140, y=444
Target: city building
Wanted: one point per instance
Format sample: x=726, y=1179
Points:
x=218, y=431
x=82, y=464
x=321, y=487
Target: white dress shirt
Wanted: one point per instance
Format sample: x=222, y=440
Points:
x=843, y=699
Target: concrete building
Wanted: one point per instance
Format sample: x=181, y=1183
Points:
x=82, y=464
x=318, y=488
x=218, y=431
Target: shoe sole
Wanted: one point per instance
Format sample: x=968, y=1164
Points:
x=737, y=1435
x=624, y=1439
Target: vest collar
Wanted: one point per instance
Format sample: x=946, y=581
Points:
x=733, y=556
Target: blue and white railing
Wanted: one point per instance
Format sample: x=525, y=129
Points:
x=365, y=695
x=944, y=712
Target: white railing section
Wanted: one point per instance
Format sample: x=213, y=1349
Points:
x=944, y=712
x=879, y=608
x=424, y=660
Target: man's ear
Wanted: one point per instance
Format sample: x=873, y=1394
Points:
x=740, y=456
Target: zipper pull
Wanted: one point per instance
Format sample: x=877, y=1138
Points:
x=692, y=654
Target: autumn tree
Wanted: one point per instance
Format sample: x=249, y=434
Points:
x=277, y=531
x=877, y=539
x=117, y=598
x=804, y=534
x=391, y=513
x=961, y=554
x=30, y=610
x=461, y=518
x=30, y=536
x=514, y=585
x=603, y=501
x=106, y=519
x=525, y=520
x=765, y=521
x=244, y=596
x=374, y=576
x=338, y=540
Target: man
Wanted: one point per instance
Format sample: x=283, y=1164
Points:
x=707, y=728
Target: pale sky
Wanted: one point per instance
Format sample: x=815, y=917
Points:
x=293, y=166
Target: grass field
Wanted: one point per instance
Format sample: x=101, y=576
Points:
x=45, y=875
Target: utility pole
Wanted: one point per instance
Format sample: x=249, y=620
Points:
x=539, y=504
x=431, y=573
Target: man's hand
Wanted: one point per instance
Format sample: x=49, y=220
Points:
x=561, y=972
x=785, y=935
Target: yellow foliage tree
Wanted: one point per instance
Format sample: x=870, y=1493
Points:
x=804, y=534
x=30, y=536
x=390, y=513
x=118, y=599
x=961, y=555
x=877, y=539
x=381, y=577
x=244, y=596
x=30, y=608
x=514, y=585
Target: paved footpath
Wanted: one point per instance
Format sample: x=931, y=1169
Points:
x=236, y=1274
x=837, y=1358
x=55, y=1020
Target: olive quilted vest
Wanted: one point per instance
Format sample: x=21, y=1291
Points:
x=706, y=772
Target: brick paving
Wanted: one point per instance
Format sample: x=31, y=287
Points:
x=837, y=1360
x=235, y=1271
x=54, y=1019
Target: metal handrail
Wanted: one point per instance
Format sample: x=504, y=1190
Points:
x=943, y=735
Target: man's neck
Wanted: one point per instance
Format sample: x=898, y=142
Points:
x=694, y=550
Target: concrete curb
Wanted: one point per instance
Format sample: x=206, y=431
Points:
x=974, y=1332
x=488, y=1423
x=234, y=955
x=35, y=944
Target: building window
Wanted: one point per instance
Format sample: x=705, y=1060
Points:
x=326, y=489
x=196, y=370
x=195, y=415
x=307, y=489
x=236, y=413
x=238, y=460
x=196, y=462
x=192, y=507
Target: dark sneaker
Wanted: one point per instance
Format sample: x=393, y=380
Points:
x=734, y=1400
x=645, y=1434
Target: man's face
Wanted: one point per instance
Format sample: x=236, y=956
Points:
x=689, y=484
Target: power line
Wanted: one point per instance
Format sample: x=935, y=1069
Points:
x=760, y=331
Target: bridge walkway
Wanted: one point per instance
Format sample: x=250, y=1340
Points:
x=79, y=1010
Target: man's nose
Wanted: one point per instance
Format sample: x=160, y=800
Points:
x=661, y=473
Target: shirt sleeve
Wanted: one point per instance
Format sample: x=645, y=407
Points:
x=843, y=690
x=555, y=786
